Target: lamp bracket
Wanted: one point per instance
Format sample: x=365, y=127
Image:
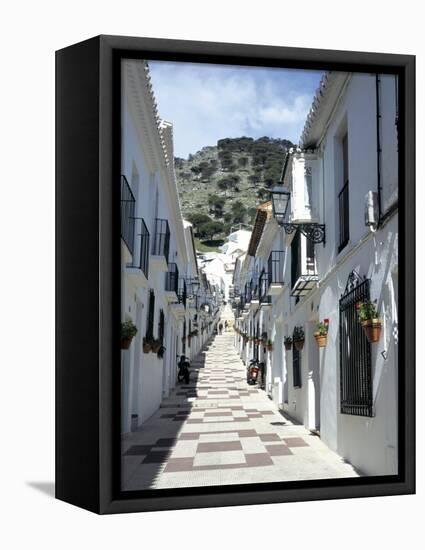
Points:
x=314, y=232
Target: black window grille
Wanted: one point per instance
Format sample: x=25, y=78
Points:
x=161, y=240
x=144, y=248
x=343, y=200
x=295, y=258
x=184, y=338
x=161, y=327
x=151, y=315
x=296, y=366
x=128, y=204
x=275, y=267
x=355, y=354
x=172, y=278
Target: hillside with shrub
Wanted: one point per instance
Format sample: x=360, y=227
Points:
x=220, y=186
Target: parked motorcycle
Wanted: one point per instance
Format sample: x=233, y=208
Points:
x=252, y=372
x=183, y=372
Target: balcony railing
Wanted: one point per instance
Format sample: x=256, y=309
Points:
x=161, y=240
x=264, y=285
x=143, y=262
x=182, y=293
x=172, y=278
x=275, y=267
x=248, y=293
x=344, y=217
x=128, y=205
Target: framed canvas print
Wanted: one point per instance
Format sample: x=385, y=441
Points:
x=235, y=274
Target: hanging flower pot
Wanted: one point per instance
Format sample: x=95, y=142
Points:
x=288, y=343
x=147, y=345
x=125, y=343
x=321, y=339
x=372, y=329
x=156, y=344
x=269, y=345
x=321, y=334
x=128, y=332
x=368, y=316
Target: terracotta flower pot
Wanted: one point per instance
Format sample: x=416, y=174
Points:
x=269, y=347
x=125, y=343
x=288, y=346
x=372, y=329
x=321, y=339
x=299, y=344
x=147, y=346
x=155, y=347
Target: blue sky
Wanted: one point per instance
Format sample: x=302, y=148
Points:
x=209, y=102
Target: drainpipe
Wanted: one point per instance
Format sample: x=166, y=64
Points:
x=378, y=145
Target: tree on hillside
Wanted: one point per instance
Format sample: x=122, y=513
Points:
x=216, y=204
x=228, y=182
x=211, y=229
x=198, y=220
x=238, y=211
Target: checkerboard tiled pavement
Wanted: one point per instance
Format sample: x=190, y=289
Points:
x=218, y=431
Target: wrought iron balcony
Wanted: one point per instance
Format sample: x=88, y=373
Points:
x=344, y=217
x=265, y=298
x=161, y=239
x=275, y=266
x=128, y=206
x=172, y=282
x=182, y=293
x=139, y=269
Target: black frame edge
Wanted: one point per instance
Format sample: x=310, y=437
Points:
x=77, y=350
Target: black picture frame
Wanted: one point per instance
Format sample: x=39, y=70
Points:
x=87, y=274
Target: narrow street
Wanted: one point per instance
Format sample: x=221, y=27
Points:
x=219, y=430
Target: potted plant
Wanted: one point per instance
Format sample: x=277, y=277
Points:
x=368, y=316
x=147, y=344
x=156, y=344
x=298, y=338
x=321, y=333
x=287, y=340
x=160, y=352
x=128, y=332
x=269, y=345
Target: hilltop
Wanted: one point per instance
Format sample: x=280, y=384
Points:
x=221, y=185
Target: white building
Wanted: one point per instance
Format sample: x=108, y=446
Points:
x=346, y=391
x=158, y=256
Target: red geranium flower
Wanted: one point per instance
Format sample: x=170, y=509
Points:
x=326, y=321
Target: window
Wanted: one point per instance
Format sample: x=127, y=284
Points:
x=308, y=190
x=161, y=326
x=355, y=355
x=296, y=367
x=151, y=315
x=343, y=199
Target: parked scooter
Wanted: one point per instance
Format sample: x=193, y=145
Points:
x=252, y=372
x=183, y=372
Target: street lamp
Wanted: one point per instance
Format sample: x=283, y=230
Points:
x=280, y=200
x=314, y=232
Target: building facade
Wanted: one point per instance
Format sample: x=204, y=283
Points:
x=344, y=176
x=163, y=292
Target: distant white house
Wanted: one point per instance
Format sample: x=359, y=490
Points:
x=344, y=175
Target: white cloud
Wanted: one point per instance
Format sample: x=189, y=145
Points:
x=209, y=102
